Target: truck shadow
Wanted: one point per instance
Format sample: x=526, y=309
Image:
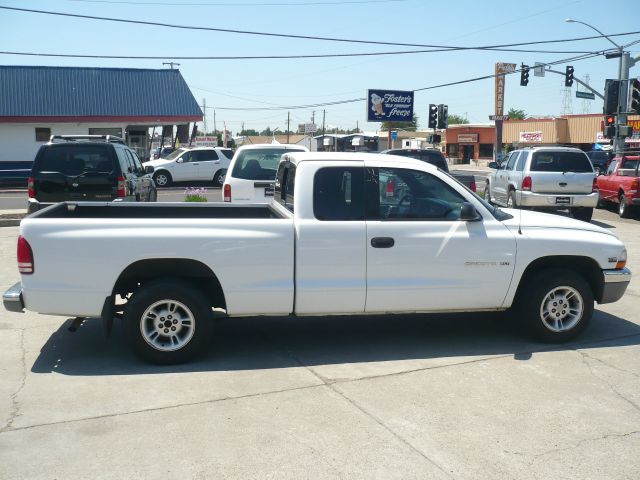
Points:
x=283, y=342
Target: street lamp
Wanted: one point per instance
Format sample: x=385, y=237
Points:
x=623, y=77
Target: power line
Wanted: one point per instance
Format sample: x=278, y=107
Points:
x=235, y=4
x=308, y=37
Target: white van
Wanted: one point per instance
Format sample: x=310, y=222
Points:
x=252, y=172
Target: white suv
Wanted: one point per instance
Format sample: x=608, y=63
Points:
x=192, y=164
x=252, y=172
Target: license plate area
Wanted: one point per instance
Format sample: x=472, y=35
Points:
x=268, y=192
x=563, y=200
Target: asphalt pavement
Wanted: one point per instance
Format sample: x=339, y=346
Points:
x=456, y=396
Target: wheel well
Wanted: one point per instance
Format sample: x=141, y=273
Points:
x=586, y=267
x=162, y=170
x=192, y=271
x=620, y=192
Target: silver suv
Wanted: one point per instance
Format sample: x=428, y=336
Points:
x=545, y=178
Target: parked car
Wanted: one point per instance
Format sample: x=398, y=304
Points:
x=345, y=233
x=600, y=159
x=547, y=178
x=88, y=167
x=161, y=153
x=253, y=172
x=434, y=157
x=192, y=164
x=620, y=184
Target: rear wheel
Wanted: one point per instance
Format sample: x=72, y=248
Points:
x=511, y=200
x=582, y=213
x=162, y=179
x=218, y=178
x=623, y=207
x=169, y=322
x=556, y=305
x=487, y=193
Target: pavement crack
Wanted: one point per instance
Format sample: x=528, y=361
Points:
x=585, y=360
x=14, y=409
x=623, y=370
x=579, y=444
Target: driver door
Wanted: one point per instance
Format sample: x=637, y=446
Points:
x=421, y=256
x=186, y=167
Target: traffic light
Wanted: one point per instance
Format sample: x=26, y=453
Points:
x=524, y=75
x=568, y=76
x=609, y=126
x=611, y=96
x=443, y=116
x=433, y=115
x=635, y=96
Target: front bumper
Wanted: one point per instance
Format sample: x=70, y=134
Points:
x=615, y=284
x=12, y=298
x=530, y=199
x=635, y=201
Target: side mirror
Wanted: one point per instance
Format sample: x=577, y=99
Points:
x=494, y=165
x=468, y=213
x=179, y=160
x=148, y=169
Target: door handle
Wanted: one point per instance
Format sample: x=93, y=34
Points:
x=382, y=242
x=195, y=163
x=217, y=161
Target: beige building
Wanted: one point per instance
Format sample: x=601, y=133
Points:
x=581, y=131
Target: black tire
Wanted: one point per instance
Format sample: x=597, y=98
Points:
x=512, y=197
x=536, y=308
x=172, y=340
x=218, y=178
x=487, y=194
x=162, y=178
x=582, y=213
x=623, y=207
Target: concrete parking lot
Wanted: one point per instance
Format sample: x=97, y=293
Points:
x=455, y=396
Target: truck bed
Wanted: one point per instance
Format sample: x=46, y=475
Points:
x=168, y=210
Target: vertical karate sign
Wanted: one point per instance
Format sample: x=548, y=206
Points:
x=501, y=70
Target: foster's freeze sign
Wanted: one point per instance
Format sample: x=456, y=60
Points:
x=389, y=106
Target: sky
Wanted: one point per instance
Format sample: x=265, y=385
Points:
x=270, y=89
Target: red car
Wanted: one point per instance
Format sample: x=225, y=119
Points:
x=621, y=184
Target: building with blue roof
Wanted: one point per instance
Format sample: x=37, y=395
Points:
x=37, y=102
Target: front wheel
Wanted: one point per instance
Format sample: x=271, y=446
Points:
x=556, y=305
x=162, y=179
x=169, y=322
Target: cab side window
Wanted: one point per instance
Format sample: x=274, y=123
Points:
x=338, y=194
x=207, y=155
x=402, y=194
x=520, y=162
x=612, y=167
x=512, y=160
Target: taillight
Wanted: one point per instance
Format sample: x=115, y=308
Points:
x=527, y=184
x=31, y=192
x=635, y=184
x=594, y=186
x=25, y=256
x=122, y=187
x=473, y=184
x=227, y=192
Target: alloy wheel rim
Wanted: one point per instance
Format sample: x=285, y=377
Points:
x=161, y=180
x=561, y=309
x=167, y=325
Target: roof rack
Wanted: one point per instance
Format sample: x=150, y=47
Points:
x=87, y=138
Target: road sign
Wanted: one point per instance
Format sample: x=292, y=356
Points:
x=498, y=117
x=394, y=134
x=588, y=95
x=538, y=69
x=310, y=128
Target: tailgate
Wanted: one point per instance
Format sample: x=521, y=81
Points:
x=254, y=191
x=562, y=183
x=56, y=187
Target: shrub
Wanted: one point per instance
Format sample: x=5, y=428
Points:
x=195, y=194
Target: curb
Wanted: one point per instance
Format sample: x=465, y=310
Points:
x=10, y=222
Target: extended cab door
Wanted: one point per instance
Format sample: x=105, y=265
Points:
x=421, y=256
x=330, y=236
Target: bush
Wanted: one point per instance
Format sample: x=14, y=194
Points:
x=195, y=194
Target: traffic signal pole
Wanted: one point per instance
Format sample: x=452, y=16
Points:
x=621, y=119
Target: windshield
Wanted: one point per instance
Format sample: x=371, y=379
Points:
x=259, y=163
x=175, y=154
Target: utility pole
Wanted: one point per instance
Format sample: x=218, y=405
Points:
x=204, y=115
x=288, y=120
x=323, y=113
x=621, y=118
x=215, y=129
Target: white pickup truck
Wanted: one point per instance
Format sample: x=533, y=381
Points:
x=345, y=234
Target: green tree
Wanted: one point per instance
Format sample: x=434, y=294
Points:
x=454, y=119
x=266, y=132
x=249, y=132
x=516, y=114
x=408, y=126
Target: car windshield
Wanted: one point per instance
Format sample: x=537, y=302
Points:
x=175, y=154
x=560, y=161
x=76, y=159
x=259, y=163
